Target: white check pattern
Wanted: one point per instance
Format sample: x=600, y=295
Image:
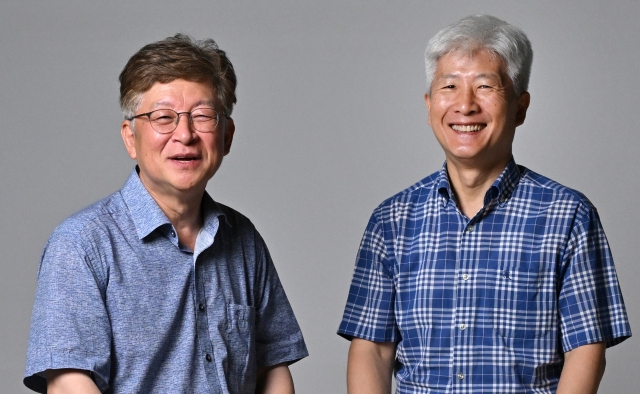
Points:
x=486, y=305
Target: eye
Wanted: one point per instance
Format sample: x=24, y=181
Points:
x=163, y=117
x=203, y=115
x=201, y=118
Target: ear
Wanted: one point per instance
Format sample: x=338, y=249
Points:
x=129, y=138
x=228, y=135
x=428, y=104
x=523, y=105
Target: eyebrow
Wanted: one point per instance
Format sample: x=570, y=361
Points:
x=167, y=103
x=479, y=76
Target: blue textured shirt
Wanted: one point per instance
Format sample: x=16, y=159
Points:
x=119, y=296
x=488, y=304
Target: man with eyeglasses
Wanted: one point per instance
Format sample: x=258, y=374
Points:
x=158, y=288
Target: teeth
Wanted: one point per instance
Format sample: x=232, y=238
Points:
x=467, y=128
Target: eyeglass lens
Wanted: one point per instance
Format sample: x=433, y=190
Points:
x=165, y=121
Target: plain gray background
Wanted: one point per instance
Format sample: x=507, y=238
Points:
x=330, y=121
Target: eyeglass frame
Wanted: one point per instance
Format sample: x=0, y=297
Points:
x=189, y=118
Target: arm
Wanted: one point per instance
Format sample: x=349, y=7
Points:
x=274, y=380
x=70, y=325
x=70, y=381
x=583, y=369
x=370, y=367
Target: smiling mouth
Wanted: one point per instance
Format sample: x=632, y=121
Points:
x=468, y=128
x=184, y=159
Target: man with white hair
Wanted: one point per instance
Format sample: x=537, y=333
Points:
x=484, y=277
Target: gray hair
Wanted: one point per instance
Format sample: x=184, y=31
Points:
x=484, y=32
x=177, y=57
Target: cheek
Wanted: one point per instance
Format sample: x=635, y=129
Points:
x=498, y=104
x=149, y=147
x=219, y=141
x=431, y=109
x=437, y=116
x=214, y=146
x=438, y=110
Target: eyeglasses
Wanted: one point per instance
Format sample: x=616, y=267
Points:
x=164, y=121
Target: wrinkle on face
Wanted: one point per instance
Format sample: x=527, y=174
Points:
x=473, y=110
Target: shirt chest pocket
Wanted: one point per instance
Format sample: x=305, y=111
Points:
x=523, y=301
x=240, y=319
x=239, y=339
x=240, y=336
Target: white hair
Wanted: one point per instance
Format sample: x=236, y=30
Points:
x=483, y=32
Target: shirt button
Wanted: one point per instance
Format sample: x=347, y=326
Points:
x=201, y=307
x=471, y=228
x=462, y=326
x=460, y=375
x=173, y=233
x=208, y=357
x=466, y=276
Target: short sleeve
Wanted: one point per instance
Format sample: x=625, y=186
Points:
x=590, y=301
x=369, y=313
x=278, y=335
x=69, y=324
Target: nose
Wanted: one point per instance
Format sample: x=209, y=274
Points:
x=184, y=131
x=466, y=102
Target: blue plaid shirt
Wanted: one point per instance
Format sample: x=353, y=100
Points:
x=488, y=304
x=120, y=297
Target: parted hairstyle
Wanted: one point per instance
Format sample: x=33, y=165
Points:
x=177, y=57
x=484, y=32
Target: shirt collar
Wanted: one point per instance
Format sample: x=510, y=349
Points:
x=501, y=189
x=147, y=215
x=444, y=187
x=210, y=211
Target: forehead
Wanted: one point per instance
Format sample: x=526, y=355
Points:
x=460, y=63
x=178, y=92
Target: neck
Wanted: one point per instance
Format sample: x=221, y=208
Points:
x=470, y=184
x=184, y=212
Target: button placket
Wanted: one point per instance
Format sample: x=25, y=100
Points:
x=466, y=267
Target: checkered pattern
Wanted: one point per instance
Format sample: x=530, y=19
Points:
x=486, y=305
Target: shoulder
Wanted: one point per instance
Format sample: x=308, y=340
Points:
x=234, y=220
x=414, y=192
x=79, y=243
x=233, y=217
x=539, y=188
x=235, y=226
x=407, y=200
x=91, y=222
